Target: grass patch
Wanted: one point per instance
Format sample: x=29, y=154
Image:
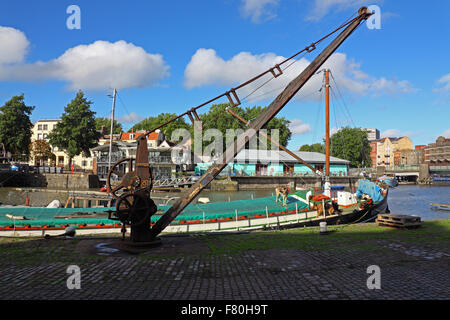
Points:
x=359, y=236
x=23, y=251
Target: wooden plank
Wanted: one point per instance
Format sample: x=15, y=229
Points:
x=398, y=221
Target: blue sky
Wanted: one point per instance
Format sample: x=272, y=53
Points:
x=168, y=56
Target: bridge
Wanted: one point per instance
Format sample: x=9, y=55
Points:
x=410, y=173
x=173, y=182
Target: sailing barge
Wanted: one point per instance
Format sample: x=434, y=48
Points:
x=136, y=209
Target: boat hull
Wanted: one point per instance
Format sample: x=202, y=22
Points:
x=287, y=218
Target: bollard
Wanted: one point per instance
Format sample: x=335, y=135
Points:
x=323, y=228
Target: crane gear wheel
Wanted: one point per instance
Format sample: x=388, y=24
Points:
x=130, y=181
x=135, y=208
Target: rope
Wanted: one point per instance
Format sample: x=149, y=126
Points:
x=306, y=50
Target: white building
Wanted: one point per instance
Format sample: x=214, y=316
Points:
x=40, y=131
x=372, y=134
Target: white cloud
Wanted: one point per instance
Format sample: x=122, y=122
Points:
x=322, y=7
x=446, y=134
x=207, y=68
x=392, y=86
x=395, y=133
x=13, y=45
x=130, y=118
x=298, y=127
x=445, y=80
x=259, y=10
x=98, y=66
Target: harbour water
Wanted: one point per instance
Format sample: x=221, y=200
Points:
x=405, y=199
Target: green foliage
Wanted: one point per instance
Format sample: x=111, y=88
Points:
x=219, y=118
x=351, y=144
x=15, y=127
x=99, y=122
x=316, y=147
x=153, y=122
x=41, y=149
x=76, y=132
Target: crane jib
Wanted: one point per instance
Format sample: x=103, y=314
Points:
x=271, y=111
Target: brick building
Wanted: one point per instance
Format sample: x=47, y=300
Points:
x=437, y=155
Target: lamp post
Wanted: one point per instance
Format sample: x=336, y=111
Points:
x=112, y=127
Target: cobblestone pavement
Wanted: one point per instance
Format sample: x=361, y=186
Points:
x=177, y=271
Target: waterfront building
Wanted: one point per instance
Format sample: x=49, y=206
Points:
x=252, y=162
x=410, y=157
x=165, y=157
x=40, y=131
x=372, y=134
x=437, y=155
x=387, y=150
x=373, y=153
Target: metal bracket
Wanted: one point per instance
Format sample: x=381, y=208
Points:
x=312, y=47
x=277, y=67
x=233, y=104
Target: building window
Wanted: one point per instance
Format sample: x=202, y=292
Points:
x=54, y=126
x=45, y=127
x=45, y=136
x=39, y=136
x=84, y=163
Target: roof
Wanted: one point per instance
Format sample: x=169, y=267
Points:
x=115, y=146
x=151, y=136
x=265, y=156
x=48, y=120
x=392, y=139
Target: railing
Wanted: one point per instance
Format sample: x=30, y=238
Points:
x=439, y=168
x=281, y=174
x=404, y=168
x=172, y=182
x=105, y=159
x=161, y=159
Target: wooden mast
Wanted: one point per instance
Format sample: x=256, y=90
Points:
x=327, y=122
x=326, y=186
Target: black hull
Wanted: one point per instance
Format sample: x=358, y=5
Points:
x=356, y=216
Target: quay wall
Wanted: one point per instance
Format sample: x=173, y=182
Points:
x=267, y=182
x=49, y=180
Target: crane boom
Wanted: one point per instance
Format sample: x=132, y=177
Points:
x=280, y=101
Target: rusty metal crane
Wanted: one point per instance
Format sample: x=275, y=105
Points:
x=135, y=206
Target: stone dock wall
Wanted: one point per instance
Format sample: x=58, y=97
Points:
x=261, y=182
x=49, y=180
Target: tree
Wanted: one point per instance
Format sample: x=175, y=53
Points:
x=76, y=132
x=278, y=123
x=153, y=122
x=218, y=118
x=100, y=122
x=316, y=147
x=41, y=150
x=15, y=127
x=351, y=144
